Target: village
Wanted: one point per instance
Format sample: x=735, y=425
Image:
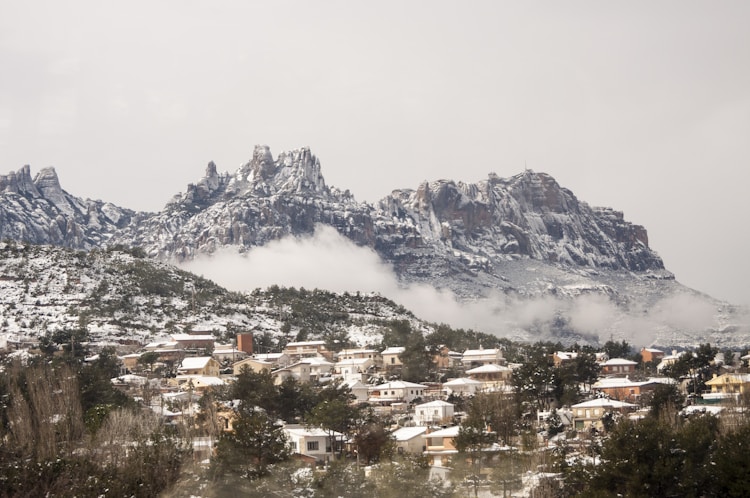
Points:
x=424, y=418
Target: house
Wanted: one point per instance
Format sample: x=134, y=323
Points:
x=396, y=391
x=730, y=383
x=445, y=359
x=493, y=377
x=278, y=360
x=307, y=349
x=201, y=383
x=130, y=380
x=359, y=390
x=410, y=440
x=463, y=386
x=194, y=341
x=560, y=358
x=199, y=365
x=477, y=357
x=227, y=354
x=618, y=366
x=313, y=441
x=624, y=389
x=652, y=355
x=319, y=367
x=130, y=361
x=589, y=414
x=433, y=413
x=360, y=354
x=391, y=358
x=253, y=364
x=353, y=368
x=670, y=359
x=168, y=351
x=299, y=370
x=440, y=446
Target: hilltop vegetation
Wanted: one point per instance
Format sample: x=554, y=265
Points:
x=118, y=296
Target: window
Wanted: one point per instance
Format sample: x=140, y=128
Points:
x=293, y=444
x=313, y=446
x=393, y=360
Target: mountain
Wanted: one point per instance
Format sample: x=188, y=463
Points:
x=502, y=240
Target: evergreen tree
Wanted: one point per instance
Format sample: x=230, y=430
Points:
x=256, y=443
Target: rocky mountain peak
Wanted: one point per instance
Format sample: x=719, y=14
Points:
x=540, y=192
x=48, y=185
x=19, y=182
x=296, y=171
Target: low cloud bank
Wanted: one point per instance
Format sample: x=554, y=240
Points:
x=329, y=261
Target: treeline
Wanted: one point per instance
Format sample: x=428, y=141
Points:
x=664, y=454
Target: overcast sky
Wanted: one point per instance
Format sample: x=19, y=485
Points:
x=640, y=106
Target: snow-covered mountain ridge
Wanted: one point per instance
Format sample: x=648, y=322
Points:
x=499, y=239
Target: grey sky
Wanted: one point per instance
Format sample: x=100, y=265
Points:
x=640, y=106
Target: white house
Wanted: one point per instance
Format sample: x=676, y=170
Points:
x=359, y=390
x=410, y=439
x=299, y=370
x=319, y=367
x=433, y=413
x=313, y=441
x=353, y=368
x=396, y=391
x=478, y=357
x=354, y=354
x=463, y=386
x=589, y=413
x=493, y=377
x=278, y=360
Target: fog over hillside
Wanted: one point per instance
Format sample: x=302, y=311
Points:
x=329, y=261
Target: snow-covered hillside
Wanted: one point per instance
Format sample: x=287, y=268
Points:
x=121, y=297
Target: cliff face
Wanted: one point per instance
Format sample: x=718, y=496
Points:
x=454, y=232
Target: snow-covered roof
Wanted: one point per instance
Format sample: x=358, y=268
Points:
x=130, y=379
x=193, y=362
x=434, y=404
x=482, y=352
x=406, y=433
x=269, y=356
x=618, y=361
x=604, y=403
x=316, y=360
x=488, y=369
x=353, y=361
x=393, y=350
x=566, y=355
x=462, y=381
x=399, y=384
x=447, y=432
x=203, y=380
x=303, y=431
x=345, y=352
